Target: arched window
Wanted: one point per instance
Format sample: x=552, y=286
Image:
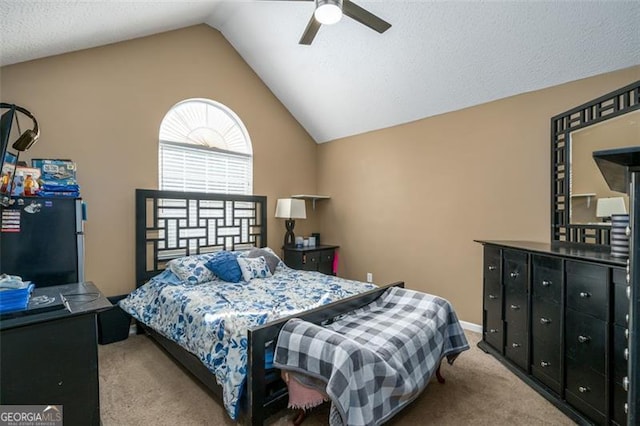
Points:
x=205, y=147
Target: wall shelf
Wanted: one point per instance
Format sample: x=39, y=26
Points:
x=588, y=195
x=313, y=198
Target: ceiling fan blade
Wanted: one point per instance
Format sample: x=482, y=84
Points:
x=365, y=17
x=310, y=32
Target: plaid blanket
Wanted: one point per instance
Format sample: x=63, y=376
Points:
x=377, y=359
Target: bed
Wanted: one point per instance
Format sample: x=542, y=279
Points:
x=174, y=226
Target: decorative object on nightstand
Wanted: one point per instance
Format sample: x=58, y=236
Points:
x=290, y=209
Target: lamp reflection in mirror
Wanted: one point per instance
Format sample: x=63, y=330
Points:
x=328, y=12
x=290, y=209
x=610, y=206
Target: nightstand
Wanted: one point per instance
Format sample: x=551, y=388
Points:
x=315, y=258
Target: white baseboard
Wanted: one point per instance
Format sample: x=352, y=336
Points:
x=476, y=328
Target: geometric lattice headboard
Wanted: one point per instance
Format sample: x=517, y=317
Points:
x=171, y=224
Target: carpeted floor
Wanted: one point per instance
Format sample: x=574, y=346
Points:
x=140, y=385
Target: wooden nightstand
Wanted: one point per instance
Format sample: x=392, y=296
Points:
x=316, y=258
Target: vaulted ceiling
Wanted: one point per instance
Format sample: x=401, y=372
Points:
x=438, y=56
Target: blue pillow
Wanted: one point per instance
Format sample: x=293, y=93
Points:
x=225, y=266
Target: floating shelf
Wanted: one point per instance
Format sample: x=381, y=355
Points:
x=588, y=195
x=313, y=198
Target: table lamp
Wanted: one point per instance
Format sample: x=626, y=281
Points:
x=290, y=209
x=606, y=207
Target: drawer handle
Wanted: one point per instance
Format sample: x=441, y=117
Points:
x=492, y=268
x=625, y=384
x=515, y=345
x=546, y=283
x=515, y=307
x=493, y=297
x=626, y=408
x=626, y=317
x=544, y=364
x=626, y=333
x=584, y=389
x=626, y=354
x=585, y=294
x=514, y=274
x=493, y=330
x=629, y=292
x=545, y=321
x=583, y=339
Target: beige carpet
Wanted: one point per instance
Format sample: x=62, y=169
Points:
x=140, y=385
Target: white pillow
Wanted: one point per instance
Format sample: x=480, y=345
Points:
x=253, y=267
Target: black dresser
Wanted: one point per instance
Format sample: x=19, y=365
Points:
x=51, y=358
x=557, y=317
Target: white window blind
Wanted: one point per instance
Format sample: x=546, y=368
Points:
x=204, y=147
x=185, y=168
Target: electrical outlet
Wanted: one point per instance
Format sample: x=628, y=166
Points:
x=369, y=277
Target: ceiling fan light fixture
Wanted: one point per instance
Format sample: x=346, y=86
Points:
x=328, y=12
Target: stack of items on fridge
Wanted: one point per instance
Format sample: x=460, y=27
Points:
x=14, y=293
x=57, y=178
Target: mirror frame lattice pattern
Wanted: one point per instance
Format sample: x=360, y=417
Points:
x=611, y=105
x=172, y=224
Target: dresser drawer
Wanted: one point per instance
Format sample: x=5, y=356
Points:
x=620, y=344
x=547, y=278
x=516, y=345
x=545, y=321
x=494, y=331
x=514, y=271
x=515, y=308
x=619, y=276
x=587, y=288
x=545, y=363
x=619, y=399
x=621, y=304
x=491, y=272
x=585, y=340
x=585, y=390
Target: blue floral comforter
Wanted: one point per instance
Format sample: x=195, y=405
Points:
x=211, y=320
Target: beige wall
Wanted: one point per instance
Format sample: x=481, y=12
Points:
x=102, y=108
x=408, y=201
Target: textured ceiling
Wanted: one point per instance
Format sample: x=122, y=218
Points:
x=438, y=56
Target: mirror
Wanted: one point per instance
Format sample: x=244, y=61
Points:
x=587, y=185
x=576, y=182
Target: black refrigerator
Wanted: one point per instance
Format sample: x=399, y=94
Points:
x=42, y=240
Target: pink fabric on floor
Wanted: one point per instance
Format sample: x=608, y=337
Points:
x=300, y=396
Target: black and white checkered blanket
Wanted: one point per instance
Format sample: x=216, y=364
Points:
x=376, y=359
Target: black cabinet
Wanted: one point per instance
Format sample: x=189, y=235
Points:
x=317, y=258
x=51, y=358
x=557, y=317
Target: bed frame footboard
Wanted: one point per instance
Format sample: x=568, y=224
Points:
x=268, y=395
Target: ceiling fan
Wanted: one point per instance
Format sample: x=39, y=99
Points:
x=329, y=12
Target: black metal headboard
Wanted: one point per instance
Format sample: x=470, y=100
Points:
x=172, y=224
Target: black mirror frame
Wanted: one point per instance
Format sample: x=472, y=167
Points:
x=614, y=104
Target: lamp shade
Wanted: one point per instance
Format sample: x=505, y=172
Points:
x=290, y=208
x=610, y=206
